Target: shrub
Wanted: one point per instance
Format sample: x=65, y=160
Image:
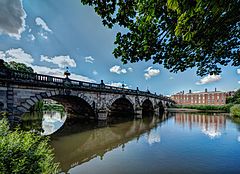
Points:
x=24, y=152
x=235, y=110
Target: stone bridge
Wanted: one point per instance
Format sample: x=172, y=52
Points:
x=20, y=91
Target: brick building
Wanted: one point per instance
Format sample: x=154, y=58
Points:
x=201, y=98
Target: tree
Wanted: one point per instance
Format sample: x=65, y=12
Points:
x=18, y=66
x=235, y=99
x=180, y=34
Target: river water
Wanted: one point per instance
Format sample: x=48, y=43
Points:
x=173, y=143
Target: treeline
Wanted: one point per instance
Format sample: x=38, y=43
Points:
x=12, y=65
x=41, y=106
x=235, y=102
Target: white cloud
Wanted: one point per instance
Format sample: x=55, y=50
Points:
x=61, y=61
x=150, y=72
x=59, y=73
x=17, y=55
x=118, y=84
x=171, y=78
x=13, y=16
x=118, y=70
x=238, y=71
x=95, y=72
x=209, y=79
x=89, y=59
x=40, y=22
x=43, y=35
x=130, y=69
x=32, y=37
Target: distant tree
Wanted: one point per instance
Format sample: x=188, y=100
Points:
x=18, y=66
x=180, y=34
x=235, y=99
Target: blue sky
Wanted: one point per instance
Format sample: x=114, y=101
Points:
x=49, y=35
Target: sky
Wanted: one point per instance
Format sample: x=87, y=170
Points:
x=50, y=35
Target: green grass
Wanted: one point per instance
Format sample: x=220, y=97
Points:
x=225, y=108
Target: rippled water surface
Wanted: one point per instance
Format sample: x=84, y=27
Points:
x=177, y=143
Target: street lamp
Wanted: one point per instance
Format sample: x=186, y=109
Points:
x=67, y=73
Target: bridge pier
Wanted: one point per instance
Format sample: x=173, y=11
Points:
x=102, y=115
x=138, y=113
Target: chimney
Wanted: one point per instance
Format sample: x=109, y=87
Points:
x=205, y=89
x=215, y=89
x=190, y=91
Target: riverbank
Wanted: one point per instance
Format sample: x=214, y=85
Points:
x=193, y=110
x=204, y=108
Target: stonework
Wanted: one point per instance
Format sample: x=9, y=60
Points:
x=24, y=97
x=19, y=92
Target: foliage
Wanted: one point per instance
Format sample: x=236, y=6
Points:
x=24, y=152
x=38, y=106
x=53, y=107
x=235, y=99
x=235, y=110
x=206, y=107
x=179, y=34
x=41, y=106
x=18, y=66
x=4, y=127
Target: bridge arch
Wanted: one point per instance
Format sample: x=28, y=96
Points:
x=73, y=103
x=147, y=108
x=121, y=107
x=112, y=100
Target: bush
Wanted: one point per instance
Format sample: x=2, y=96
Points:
x=24, y=152
x=235, y=110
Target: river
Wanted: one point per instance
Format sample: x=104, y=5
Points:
x=172, y=143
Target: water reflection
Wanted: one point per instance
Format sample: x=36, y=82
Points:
x=210, y=125
x=87, y=144
x=153, y=137
x=174, y=143
x=46, y=122
x=52, y=121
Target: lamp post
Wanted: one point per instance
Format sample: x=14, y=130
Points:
x=67, y=73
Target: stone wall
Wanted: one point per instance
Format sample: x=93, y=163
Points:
x=18, y=99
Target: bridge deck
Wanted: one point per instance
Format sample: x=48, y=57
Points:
x=34, y=79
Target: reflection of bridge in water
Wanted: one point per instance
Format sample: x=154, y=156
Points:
x=211, y=125
x=84, y=146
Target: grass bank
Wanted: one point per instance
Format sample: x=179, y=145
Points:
x=225, y=108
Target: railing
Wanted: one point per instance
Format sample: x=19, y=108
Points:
x=33, y=78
